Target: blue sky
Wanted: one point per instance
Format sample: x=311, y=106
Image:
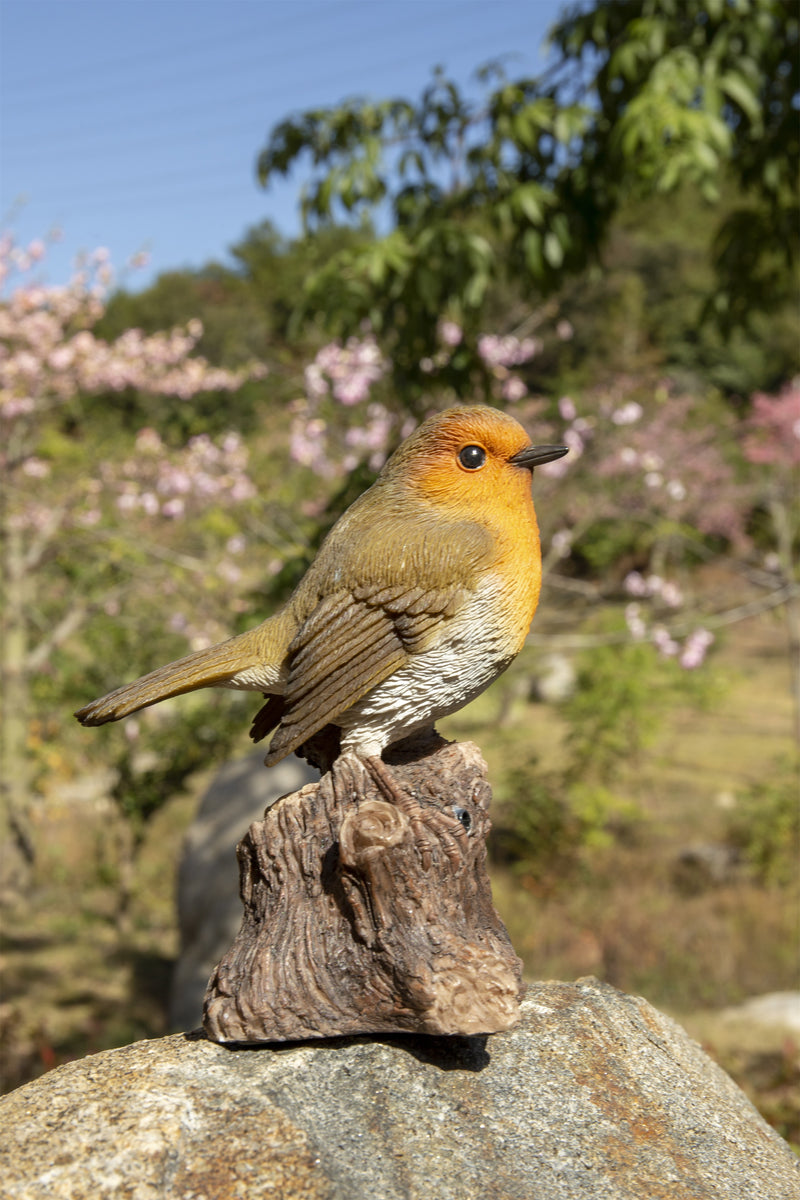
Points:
x=136, y=124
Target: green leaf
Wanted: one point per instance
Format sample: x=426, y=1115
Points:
x=376, y=266
x=525, y=131
x=771, y=175
x=553, y=250
x=527, y=199
x=475, y=291
x=562, y=127
x=532, y=247
x=737, y=90
x=706, y=157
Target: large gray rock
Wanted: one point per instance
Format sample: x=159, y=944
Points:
x=209, y=908
x=595, y=1096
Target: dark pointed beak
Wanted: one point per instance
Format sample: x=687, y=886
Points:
x=534, y=456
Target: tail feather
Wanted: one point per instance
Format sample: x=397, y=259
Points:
x=267, y=717
x=215, y=667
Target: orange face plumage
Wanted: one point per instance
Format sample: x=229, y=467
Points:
x=461, y=458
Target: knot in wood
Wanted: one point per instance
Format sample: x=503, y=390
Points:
x=372, y=828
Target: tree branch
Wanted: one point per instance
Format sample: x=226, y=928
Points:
x=64, y=629
x=41, y=542
x=729, y=616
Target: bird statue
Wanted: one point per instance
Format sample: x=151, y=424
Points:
x=419, y=597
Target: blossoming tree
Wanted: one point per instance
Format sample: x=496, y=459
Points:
x=49, y=358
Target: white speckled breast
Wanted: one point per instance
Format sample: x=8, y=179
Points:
x=476, y=646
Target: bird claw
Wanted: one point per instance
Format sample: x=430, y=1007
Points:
x=428, y=826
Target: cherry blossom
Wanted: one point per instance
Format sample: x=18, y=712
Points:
x=49, y=352
x=507, y=350
x=347, y=371
x=450, y=333
x=773, y=431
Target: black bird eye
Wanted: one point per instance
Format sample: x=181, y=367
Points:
x=472, y=457
x=463, y=816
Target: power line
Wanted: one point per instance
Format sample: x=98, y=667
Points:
x=179, y=49
x=111, y=127
x=63, y=96
x=306, y=45
x=148, y=183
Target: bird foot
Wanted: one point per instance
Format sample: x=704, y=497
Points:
x=430, y=826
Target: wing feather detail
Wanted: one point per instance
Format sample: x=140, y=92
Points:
x=388, y=606
x=348, y=683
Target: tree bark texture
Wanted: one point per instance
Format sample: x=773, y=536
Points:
x=368, y=908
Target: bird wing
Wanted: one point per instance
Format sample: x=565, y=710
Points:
x=387, y=610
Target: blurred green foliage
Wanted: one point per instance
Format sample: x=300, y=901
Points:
x=765, y=826
x=554, y=820
x=623, y=693
x=553, y=823
x=522, y=183
x=643, y=311
x=208, y=730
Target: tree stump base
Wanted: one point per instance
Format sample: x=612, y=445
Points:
x=364, y=914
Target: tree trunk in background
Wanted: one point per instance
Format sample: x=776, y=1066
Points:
x=782, y=524
x=16, y=844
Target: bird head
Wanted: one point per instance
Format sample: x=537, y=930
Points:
x=469, y=460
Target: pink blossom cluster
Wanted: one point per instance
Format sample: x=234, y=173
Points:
x=152, y=483
x=48, y=352
x=17, y=258
x=659, y=462
x=502, y=352
x=653, y=587
x=690, y=654
x=369, y=440
x=156, y=483
x=507, y=350
x=348, y=372
x=773, y=431
x=576, y=436
x=308, y=441
x=694, y=649
x=684, y=470
x=627, y=414
x=48, y=355
x=317, y=443
x=450, y=333
x=345, y=374
x=663, y=470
